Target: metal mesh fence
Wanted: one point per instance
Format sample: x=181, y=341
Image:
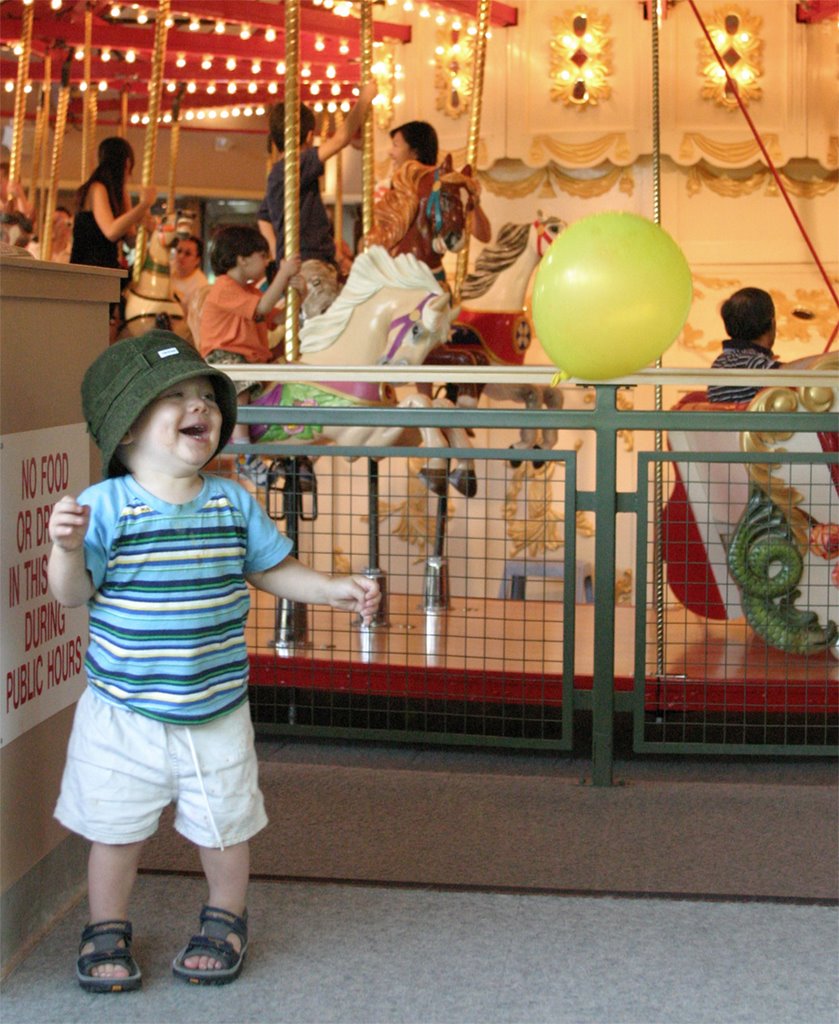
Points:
x=741, y=653
x=472, y=643
x=696, y=587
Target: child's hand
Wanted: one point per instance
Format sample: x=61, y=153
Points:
x=291, y=266
x=355, y=594
x=68, y=523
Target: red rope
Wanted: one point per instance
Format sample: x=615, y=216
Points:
x=735, y=90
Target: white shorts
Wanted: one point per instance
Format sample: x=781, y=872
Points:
x=123, y=768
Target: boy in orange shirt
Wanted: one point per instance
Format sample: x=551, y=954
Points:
x=235, y=317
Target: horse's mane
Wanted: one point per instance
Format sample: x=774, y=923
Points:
x=371, y=271
x=397, y=208
x=503, y=253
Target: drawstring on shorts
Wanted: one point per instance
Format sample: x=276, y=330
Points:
x=203, y=790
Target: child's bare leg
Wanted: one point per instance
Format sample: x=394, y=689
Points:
x=227, y=872
x=111, y=872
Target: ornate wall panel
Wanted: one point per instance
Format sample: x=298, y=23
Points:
x=823, y=93
x=541, y=127
x=695, y=126
x=795, y=109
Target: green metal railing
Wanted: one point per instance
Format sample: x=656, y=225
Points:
x=606, y=501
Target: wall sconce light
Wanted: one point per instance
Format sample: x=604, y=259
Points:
x=386, y=71
x=581, y=58
x=735, y=35
x=454, y=59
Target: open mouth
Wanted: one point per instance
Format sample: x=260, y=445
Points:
x=198, y=430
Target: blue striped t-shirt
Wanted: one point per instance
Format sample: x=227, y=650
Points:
x=168, y=616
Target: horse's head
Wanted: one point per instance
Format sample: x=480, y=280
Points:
x=543, y=231
x=424, y=213
x=413, y=334
x=444, y=196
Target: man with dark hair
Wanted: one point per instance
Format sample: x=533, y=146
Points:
x=317, y=241
x=749, y=319
x=187, y=275
x=62, y=237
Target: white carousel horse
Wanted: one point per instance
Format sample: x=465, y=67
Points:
x=149, y=302
x=391, y=311
x=493, y=317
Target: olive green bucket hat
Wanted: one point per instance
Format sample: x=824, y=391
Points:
x=130, y=374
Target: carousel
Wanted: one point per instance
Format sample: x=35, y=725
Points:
x=511, y=434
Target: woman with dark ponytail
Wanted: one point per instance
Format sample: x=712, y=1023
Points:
x=105, y=214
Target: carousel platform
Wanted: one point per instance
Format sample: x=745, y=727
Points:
x=510, y=652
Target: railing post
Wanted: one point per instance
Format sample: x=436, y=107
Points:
x=605, y=510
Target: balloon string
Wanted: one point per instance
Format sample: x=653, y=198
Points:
x=736, y=92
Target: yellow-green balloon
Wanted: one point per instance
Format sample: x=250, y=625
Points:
x=610, y=295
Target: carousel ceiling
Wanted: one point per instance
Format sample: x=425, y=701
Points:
x=218, y=53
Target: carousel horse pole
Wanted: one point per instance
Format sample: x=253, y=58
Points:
x=374, y=569
x=435, y=594
x=291, y=623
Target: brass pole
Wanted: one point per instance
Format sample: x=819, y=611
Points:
x=658, y=440
x=123, y=113
x=474, y=126
x=338, y=215
x=291, y=164
x=86, y=109
x=150, y=148
x=44, y=171
x=42, y=117
x=57, y=148
x=93, y=115
x=174, y=147
x=368, y=168
x=20, y=97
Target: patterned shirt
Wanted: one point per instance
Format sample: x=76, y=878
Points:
x=740, y=355
x=168, y=616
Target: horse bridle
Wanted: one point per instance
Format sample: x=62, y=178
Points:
x=402, y=325
x=543, y=236
x=434, y=205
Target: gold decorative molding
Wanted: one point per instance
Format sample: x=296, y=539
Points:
x=341, y=564
x=581, y=154
x=732, y=153
x=539, y=532
x=624, y=400
x=723, y=184
x=787, y=498
x=735, y=33
x=816, y=304
x=548, y=179
x=413, y=522
x=623, y=587
x=581, y=58
x=584, y=525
